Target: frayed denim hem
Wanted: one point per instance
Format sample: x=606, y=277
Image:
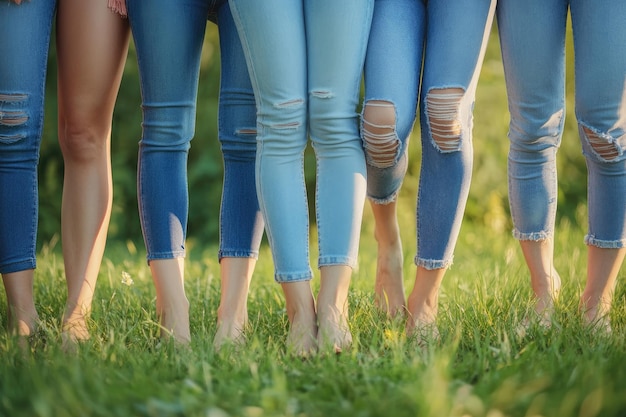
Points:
x=605, y=244
x=431, y=264
x=535, y=236
x=384, y=201
x=237, y=254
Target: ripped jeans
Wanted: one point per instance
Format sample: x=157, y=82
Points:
x=532, y=36
x=24, y=43
x=453, y=35
x=305, y=59
x=168, y=37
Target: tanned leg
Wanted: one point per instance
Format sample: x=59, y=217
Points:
x=92, y=43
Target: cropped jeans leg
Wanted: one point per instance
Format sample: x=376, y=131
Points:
x=334, y=77
x=286, y=81
x=24, y=51
x=532, y=38
x=393, y=67
x=455, y=46
x=599, y=34
x=241, y=222
x=169, y=111
x=278, y=76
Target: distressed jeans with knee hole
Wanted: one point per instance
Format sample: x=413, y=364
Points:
x=305, y=59
x=533, y=37
x=24, y=43
x=452, y=35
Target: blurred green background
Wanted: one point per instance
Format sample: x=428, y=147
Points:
x=488, y=196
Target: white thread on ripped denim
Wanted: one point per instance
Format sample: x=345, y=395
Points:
x=380, y=139
x=291, y=104
x=442, y=109
x=604, y=145
x=12, y=118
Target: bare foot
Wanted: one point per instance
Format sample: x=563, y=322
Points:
x=596, y=316
x=229, y=332
x=74, y=332
x=25, y=329
x=389, y=286
x=175, y=324
x=546, y=293
x=300, y=304
x=421, y=323
x=302, y=338
x=334, y=332
x=424, y=334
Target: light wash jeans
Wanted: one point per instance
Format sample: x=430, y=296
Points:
x=305, y=59
x=532, y=34
x=168, y=37
x=452, y=35
x=24, y=43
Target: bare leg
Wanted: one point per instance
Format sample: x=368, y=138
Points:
x=544, y=279
x=232, y=314
x=332, y=308
x=422, y=304
x=389, y=286
x=92, y=46
x=171, y=302
x=381, y=145
x=603, y=266
x=22, y=314
x=302, y=319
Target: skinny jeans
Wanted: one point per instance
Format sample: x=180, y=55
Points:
x=24, y=44
x=305, y=59
x=532, y=35
x=442, y=44
x=168, y=37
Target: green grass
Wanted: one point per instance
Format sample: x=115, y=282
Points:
x=480, y=368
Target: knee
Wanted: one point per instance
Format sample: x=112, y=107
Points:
x=603, y=145
x=531, y=130
x=82, y=140
x=379, y=135
x=287, y=115
x=443, y=112
x=240, y=145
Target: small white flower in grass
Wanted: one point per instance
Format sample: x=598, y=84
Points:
x=126, y=279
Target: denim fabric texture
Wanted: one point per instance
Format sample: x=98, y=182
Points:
x=532, y=37
x=442, y=44
x=168, y=38
x=305, y=60
x=24, y=44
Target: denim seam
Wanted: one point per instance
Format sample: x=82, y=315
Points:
x=293, y=276
x=332, y=260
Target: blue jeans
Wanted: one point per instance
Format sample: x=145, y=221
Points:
x=24, y=43
x=169, y=65
x=452, y=35
x=305, y=60
x=532, y=37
